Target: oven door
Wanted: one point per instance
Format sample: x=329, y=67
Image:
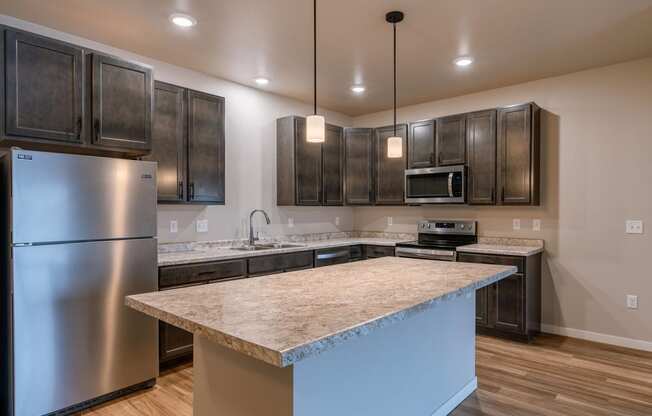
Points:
x=426, y=253
x=445, y=185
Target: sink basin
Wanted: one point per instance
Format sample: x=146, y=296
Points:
x=257, y=247
x=253, y=248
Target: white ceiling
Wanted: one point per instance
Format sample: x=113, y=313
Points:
x=512, y=41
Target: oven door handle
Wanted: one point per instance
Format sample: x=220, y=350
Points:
x=450, y=184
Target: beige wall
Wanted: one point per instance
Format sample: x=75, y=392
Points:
x=596, y=173
x=250, y=155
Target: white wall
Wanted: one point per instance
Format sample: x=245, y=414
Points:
x=596, y=173
x=250, y=155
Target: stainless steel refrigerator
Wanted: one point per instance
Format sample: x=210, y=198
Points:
x=79, y=235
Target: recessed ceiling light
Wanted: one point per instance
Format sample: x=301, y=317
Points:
x=261, y=80
x=358, y=89
x=463, y=61
x=183, y=20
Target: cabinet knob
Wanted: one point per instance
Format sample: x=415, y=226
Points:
x=79, y=128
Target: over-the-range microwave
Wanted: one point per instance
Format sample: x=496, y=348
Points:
x=442, y=185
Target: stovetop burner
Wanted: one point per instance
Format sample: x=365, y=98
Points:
x=438, y=239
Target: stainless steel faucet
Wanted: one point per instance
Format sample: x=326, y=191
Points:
x=253, y=239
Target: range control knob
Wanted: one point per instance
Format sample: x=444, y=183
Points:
x=462, y=226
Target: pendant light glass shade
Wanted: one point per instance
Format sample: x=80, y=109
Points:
x=394, y=147
x=315, y=129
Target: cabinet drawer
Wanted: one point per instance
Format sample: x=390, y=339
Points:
x=378, y=251
x=493, y=259
x=280, y=262
x=202, y=272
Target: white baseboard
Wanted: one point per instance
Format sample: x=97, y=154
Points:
x=637, y=344
x=458, y=398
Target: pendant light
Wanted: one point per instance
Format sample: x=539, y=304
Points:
x=394, y=143
x=315, y=124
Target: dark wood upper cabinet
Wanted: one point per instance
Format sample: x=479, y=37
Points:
x=308, y=173
x=518, y=155
x=421, y=145
x=43, y=80
x=122, y=103
x=205, y=148
x=481, y=157
x=390, y=172
x=451, y=140
x=308, y=164
x=169, y=141
x=358, y=165
x=333, y=166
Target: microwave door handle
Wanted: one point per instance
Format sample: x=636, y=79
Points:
x=450, y=184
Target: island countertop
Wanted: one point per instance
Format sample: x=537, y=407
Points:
x=284, y=318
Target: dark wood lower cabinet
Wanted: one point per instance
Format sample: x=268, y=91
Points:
x=175, y=344
x=511, y=307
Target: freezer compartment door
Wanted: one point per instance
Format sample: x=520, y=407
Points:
x=59, y=197
x=73, y=337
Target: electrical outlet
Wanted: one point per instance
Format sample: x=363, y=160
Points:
x=337, y=220
x=202, y=226
x=516, y=224
x=632, y=301
x=390, y=221
x=634, y=227
x=290, y=222
x=536, y=225
x=174, y=226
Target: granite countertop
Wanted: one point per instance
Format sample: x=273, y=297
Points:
x=504, y=246
x=284, y=318
x=215, y=253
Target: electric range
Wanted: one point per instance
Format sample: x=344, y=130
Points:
x=438, y=239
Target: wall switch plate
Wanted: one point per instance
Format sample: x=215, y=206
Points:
x=202, y=226
x=632, y=301
x=536, y=225
x=290, y=222
x=390, y=220
x=174, y=226
x=337, y=220
x=634, y=227
x=516, y=224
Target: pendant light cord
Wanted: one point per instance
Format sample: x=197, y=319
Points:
x=314, y=16
x=394, y=25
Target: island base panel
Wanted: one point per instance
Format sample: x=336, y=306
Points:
x=422, y=365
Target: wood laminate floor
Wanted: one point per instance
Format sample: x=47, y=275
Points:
x=554, y=376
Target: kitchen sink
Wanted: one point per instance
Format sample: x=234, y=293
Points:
x=271, y=246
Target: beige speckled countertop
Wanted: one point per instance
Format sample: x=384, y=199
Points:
x=284, y=318
x=207, y=253
x=522, y=247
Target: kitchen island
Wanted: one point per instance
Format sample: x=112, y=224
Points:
x=386, y=336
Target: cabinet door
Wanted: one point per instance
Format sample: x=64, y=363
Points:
x=169, y=141
x=390, y=172
x=451, y=140
x=43, y=81
x=421, y=145
x=122, y=104
x=173, y=342
x=205, y=148
x=333, y=166
x=508, y=304
x=515, y=155
x=308, y=167
x=481, y=148
x=482, y=306
x=358, y=154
